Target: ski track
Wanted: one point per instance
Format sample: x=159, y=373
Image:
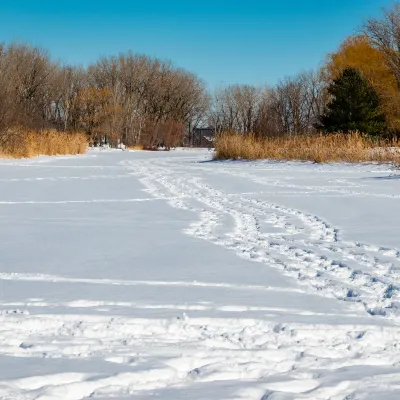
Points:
x=273, y=361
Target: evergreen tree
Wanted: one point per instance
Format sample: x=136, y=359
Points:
x=354, y=106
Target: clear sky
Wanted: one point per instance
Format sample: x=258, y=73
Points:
x=249, y=41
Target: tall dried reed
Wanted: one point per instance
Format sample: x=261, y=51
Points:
x=136, y=147
x=317, y=148
x=25, y=144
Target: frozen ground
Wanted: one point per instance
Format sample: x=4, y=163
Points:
x=135, y=275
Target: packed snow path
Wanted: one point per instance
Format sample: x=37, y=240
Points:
x=166, y=275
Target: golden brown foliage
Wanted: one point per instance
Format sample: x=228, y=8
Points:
x=316, y=148
x=358, y=52
x=27, y=144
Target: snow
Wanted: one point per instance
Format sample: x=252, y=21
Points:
x=167, y=275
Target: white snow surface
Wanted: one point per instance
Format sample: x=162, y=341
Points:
x=166, y=275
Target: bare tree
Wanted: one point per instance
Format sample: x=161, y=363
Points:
x=236, y=108
x=67, y=83
x=385, y=35
x=145, y=93
x=26, y=74
x=267, y=123
x=292, y=107
x=298, y=102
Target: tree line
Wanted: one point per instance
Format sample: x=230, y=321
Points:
x=357, y=89
x=139, y=100
x=131, y=98
x=292, y=107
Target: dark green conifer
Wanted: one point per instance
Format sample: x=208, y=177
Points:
x=354, y=106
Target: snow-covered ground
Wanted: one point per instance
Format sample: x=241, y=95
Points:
x=165, y=275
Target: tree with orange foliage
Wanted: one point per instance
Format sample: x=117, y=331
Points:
x=360, y=53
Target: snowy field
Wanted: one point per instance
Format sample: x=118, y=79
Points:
x=145, y=275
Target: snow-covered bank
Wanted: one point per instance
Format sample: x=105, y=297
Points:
x=163, y=274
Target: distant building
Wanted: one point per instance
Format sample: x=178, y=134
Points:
x=203, y=137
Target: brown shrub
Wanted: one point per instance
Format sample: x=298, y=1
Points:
x=317, y=148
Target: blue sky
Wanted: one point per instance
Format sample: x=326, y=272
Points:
x=255, y=42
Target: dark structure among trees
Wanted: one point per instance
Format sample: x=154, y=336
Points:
x=202, y=137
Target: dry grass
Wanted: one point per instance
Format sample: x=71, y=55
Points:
x=26, y=144
x=136, y=147
x=316, y=148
